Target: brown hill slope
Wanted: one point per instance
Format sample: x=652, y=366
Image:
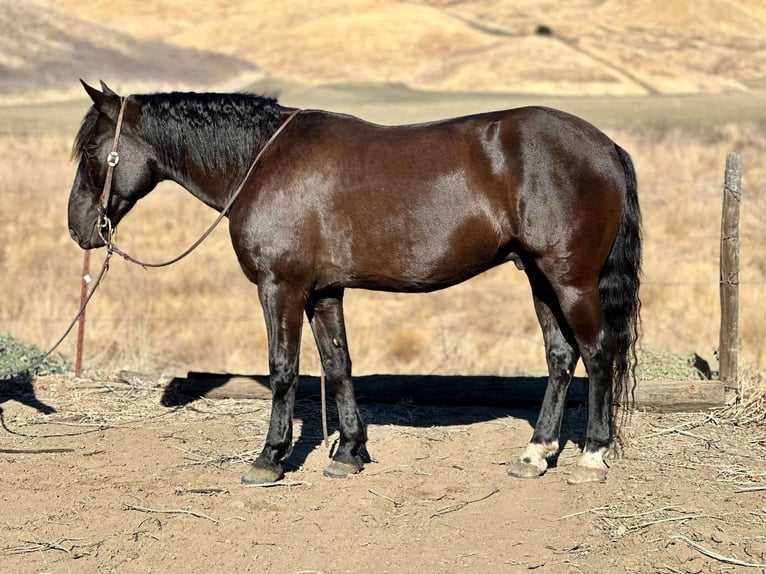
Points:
x=45, y=51
x=607, y=47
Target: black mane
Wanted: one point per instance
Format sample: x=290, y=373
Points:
x=83, y=135
x=209, y=130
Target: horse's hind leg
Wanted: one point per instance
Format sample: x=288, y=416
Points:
x=582, y=310
x=561, y=355
x=283, y=310
x=326, y=317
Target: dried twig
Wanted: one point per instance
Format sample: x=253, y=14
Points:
x=279, y=483
x=204, y=491
x=653, y=511
x=462, y=504
x=715, y=555
x=34, y=450
x=139, y=531
x=391, y=500
x=671, y=519
x=584, y=512
x=179, y=511
x=750, y=489
x=697, y=436
x=683, y=426
x=33, y=546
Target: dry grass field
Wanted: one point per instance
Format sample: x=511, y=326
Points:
x=202, y=314
x=466, y=56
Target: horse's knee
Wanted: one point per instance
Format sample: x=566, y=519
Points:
x=337, y=369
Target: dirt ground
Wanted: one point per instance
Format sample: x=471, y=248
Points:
x=113, y=476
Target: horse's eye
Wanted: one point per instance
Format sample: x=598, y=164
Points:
x=90, y=151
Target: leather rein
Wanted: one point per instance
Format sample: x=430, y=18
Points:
x=106, y=230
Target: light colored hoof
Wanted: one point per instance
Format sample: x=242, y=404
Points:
x=521, y=469
x=337, y=469
x=583, y=474
x=257, y=475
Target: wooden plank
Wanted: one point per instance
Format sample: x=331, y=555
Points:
x=728, y=347
x=445, y=390
x=679, y=396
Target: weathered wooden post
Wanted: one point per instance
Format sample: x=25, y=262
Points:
x=81, y=320
x=728, y=345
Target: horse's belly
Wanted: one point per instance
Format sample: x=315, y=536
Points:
x=424, y=261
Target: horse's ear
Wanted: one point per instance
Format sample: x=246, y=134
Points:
x=107, y=103
x=107, y=90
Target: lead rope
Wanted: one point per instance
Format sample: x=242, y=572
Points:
x=108, y=226
x=112, y=159
x=324, y=404
x=105, y=228
x=49, y=352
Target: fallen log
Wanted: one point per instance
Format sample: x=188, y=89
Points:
x=454, y=390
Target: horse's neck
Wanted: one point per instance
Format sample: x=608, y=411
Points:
x=212, y=189
x=218, y=187
x=211, y=160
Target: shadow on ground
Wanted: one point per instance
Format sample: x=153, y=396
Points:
x=21, y=390
x=419, y=401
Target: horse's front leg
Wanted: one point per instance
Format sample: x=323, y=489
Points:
x=325, y=313
x=283, y=310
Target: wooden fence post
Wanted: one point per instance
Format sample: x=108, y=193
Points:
x=728, y=344
x=81, y=319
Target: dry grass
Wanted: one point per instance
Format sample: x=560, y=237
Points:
x=203, y=314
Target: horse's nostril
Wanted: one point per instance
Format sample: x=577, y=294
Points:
x=73, y=233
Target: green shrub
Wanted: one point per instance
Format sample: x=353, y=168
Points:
x=18, y=359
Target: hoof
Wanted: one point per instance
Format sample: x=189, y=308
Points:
x=583, y=474
x=520, y=469
x=258, y=475
x=337, y=469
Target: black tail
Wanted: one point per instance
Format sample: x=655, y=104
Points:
x=618, y=289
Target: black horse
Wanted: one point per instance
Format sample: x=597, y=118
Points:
x=336, y=202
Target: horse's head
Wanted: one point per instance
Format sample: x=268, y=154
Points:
x=135, y=174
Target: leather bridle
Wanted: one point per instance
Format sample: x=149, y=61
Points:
x=112, y=159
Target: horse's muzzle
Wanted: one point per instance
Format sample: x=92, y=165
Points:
x=89, y=239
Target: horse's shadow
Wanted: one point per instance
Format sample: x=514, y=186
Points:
x=19, y=388
x=407, y=400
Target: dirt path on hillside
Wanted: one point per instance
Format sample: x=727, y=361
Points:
x=112, y=480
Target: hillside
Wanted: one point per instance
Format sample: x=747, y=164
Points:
x=611, y=47
x=44, y=52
